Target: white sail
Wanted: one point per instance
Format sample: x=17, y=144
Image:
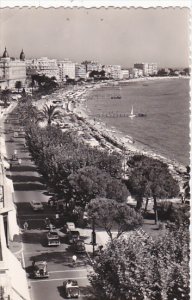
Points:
x=132, y=114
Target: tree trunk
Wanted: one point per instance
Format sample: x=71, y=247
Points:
x=155, y=209
x=146, y=204
x=139, y=202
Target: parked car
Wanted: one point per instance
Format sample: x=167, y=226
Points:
x=68, y=227
x=40, y=270
x=72, y=236
x=71, y=289
x=53, y=238
x=79, y=246
x=36, y=205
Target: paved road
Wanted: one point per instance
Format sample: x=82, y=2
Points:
x=29, y=185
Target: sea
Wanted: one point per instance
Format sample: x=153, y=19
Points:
x=165, y=104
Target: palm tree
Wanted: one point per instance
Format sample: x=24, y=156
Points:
x=49, y=113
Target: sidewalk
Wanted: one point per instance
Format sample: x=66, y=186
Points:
x=16, y=247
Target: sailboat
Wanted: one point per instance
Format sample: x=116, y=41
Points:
x=132, y=114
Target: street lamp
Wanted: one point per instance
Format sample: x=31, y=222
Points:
x=93, y=236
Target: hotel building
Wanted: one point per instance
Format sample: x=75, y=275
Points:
x=66, y=68
x=12, y=70
x=149, y=69
x=43, y=66
x=113, y=71
x=80, y=71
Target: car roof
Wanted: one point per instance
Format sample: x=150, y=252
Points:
x=41, y=263
x=73, y=282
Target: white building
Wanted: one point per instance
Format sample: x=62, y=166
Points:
x=13, y=280
x=80, y=71
x=12, y=70
x=43, y=66
x=148, y=69
x=113, y=71
x=66, y=68
x=135, y=73
x=125, y=73
x=92, y=66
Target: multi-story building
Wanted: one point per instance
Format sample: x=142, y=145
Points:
x=13, y=281
x=125, y=73
x=12, y=70
x=92, y=66
x=113, y=71
x=66, y=68
x=135, y=73
x=149, y=69
x=43, y=66
x=80, y=71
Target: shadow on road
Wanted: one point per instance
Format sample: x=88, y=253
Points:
x=27, y=179
x=24, y=168
x=32, y=237
x=28, y=186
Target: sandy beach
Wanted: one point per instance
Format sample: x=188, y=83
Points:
x=73, y=102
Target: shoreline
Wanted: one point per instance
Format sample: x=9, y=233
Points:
x=112, y=138
x=177, y=169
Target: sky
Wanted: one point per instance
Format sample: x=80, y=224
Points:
x=110, y=36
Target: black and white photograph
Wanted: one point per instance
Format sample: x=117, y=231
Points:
x=95, y=153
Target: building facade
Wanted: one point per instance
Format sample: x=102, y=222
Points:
x=149, y=69
x=113, y=71
x=13, y=280
x=80, y=71
x=66, y=68
x=125, y=73
x=43, y=66
x=12, y=70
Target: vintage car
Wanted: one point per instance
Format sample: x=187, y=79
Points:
x=79, y=246
x=68, y=227
x=71, y=289
x=40, y=270
x=36, y=205
x=53, y=238
x=72, y=236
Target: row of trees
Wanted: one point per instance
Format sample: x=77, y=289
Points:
x=83, y=173
x=75, y=170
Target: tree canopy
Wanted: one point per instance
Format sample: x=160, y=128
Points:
x=110, y=214
x=18, y=85
x=90, y=182
x=138, y=267
x=151, y=178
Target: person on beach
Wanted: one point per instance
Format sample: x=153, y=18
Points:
x=25, y=226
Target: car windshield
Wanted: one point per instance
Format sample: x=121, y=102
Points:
x=36, y=203
x=73, y=290
x=54, y=233
x=75, y=233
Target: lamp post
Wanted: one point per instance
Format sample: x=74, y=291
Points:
x=93, y=236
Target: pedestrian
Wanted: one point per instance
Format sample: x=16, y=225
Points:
x=74, y=259
x=25, y=225
x=33, y=262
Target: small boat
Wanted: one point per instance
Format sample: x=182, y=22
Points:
x=132, y=114
x=141, y=115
